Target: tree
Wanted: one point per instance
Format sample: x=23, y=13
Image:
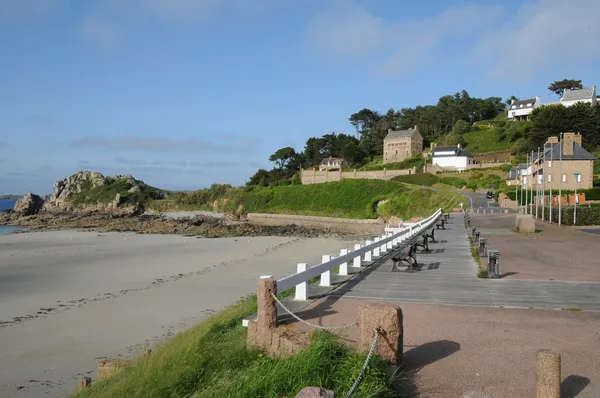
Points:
x=282, y=157
x=260, y=178
x=364, y=120
x=560, y=86
x=461, y=127
x=511, y=99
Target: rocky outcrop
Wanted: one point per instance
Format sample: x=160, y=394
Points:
x=28, y=205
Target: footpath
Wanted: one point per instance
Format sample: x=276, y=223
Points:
x=464, y=334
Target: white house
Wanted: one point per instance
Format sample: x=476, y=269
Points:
x=332, y=163
x=571, y=97
x=521, y=109
x=451, y=157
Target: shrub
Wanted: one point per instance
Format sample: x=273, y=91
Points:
x=417, y=179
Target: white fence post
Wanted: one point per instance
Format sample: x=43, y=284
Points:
x=325, y=276
x=343, y=266
x=368, y=257
x=382, y=249
x=376, y=250
x=302, y=288
x=357, y=262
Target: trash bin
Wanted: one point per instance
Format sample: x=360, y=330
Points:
x=493, y=264
x=483, y=247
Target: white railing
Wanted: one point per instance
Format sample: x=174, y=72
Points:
x=369, y=249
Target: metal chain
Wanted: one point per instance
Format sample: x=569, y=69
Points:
x=362, y=372
x=308, y=323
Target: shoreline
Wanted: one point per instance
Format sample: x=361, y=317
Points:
x=84, y=296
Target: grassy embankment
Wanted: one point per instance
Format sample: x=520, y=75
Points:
x=355, y=199
x=212, y=360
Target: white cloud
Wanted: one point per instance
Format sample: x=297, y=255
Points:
x=543, y=34
x=101, y=31
x=393, y=47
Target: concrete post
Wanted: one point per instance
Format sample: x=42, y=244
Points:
x=302, y=288
x=547, y=374
x=356, y=263
x=390, y=245
x=266, y=314
x=343, y=266
x=368, y=257
x=84, y=383
x=325, y=276
x=386, y=318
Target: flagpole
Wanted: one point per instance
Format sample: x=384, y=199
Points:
x=526, y=185
x=560, y=178
x=543, y=183
x=551, y=178
x=531, y=193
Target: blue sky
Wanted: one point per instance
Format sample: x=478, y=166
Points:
x=184, y=93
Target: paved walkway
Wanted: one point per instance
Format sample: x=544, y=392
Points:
x=447, y=275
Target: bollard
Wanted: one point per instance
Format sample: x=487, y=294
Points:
x=473, y=229
x=547, y=374
x=376, y=250
x=493, y=264
x=266, y=313
x=483, y=247
x=84, y=383
x=389, y=320
x=477, y=238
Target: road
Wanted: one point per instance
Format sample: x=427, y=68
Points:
x=476, y=200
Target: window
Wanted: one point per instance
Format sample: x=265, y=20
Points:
x=549, y=177
x=520, y=106
x=578, y=177
x=540, y=179
x=564, y=178
x=549, y=163
x=513, y=113
x=524, y=180
x=396, y=151
x=529, y=105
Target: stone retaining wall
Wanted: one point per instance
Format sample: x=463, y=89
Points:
x=342, y=225
x=319, y=177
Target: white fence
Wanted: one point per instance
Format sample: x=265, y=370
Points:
x=369, y=249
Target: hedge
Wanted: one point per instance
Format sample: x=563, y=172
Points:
x=586, y=215
x=590, y=194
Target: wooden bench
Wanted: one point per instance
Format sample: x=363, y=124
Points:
x=430, y=236
x=408, y=257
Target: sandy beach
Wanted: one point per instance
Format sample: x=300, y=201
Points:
x=69, y=299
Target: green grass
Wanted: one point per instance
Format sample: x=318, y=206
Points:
x=426, y=179
x=481, y=271
x=107, y=192
x=347, y=199
x=212, y=360
x=419, y=203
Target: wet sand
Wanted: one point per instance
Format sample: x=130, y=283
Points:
x=69, y=299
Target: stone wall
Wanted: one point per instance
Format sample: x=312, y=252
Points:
x=318, y=177
x=342, y=225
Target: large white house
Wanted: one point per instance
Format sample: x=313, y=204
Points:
x=452, y=157
x=521, y=109
x=571, y=97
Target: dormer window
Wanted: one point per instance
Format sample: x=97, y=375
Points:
x=520, y=106
x=529, y=105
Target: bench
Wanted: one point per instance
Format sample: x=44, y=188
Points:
x=424, y=246
x=409, y=257
x=441, y=224
x=430, y=236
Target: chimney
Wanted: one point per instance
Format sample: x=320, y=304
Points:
x=552, y=140
x=577, y=139
x=512, y=101
x=567, y=144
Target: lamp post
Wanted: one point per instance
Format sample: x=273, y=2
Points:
x=576, y=174
x=560, y=151
x=526, y=182
x=550, y=179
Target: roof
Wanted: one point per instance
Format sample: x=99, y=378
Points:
x=400, y=134
x=578, y=94
x=331, y=159
x=456, y=151
x=579, y=153
x=525, y=102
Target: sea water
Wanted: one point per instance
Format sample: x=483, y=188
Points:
x=4, y=205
